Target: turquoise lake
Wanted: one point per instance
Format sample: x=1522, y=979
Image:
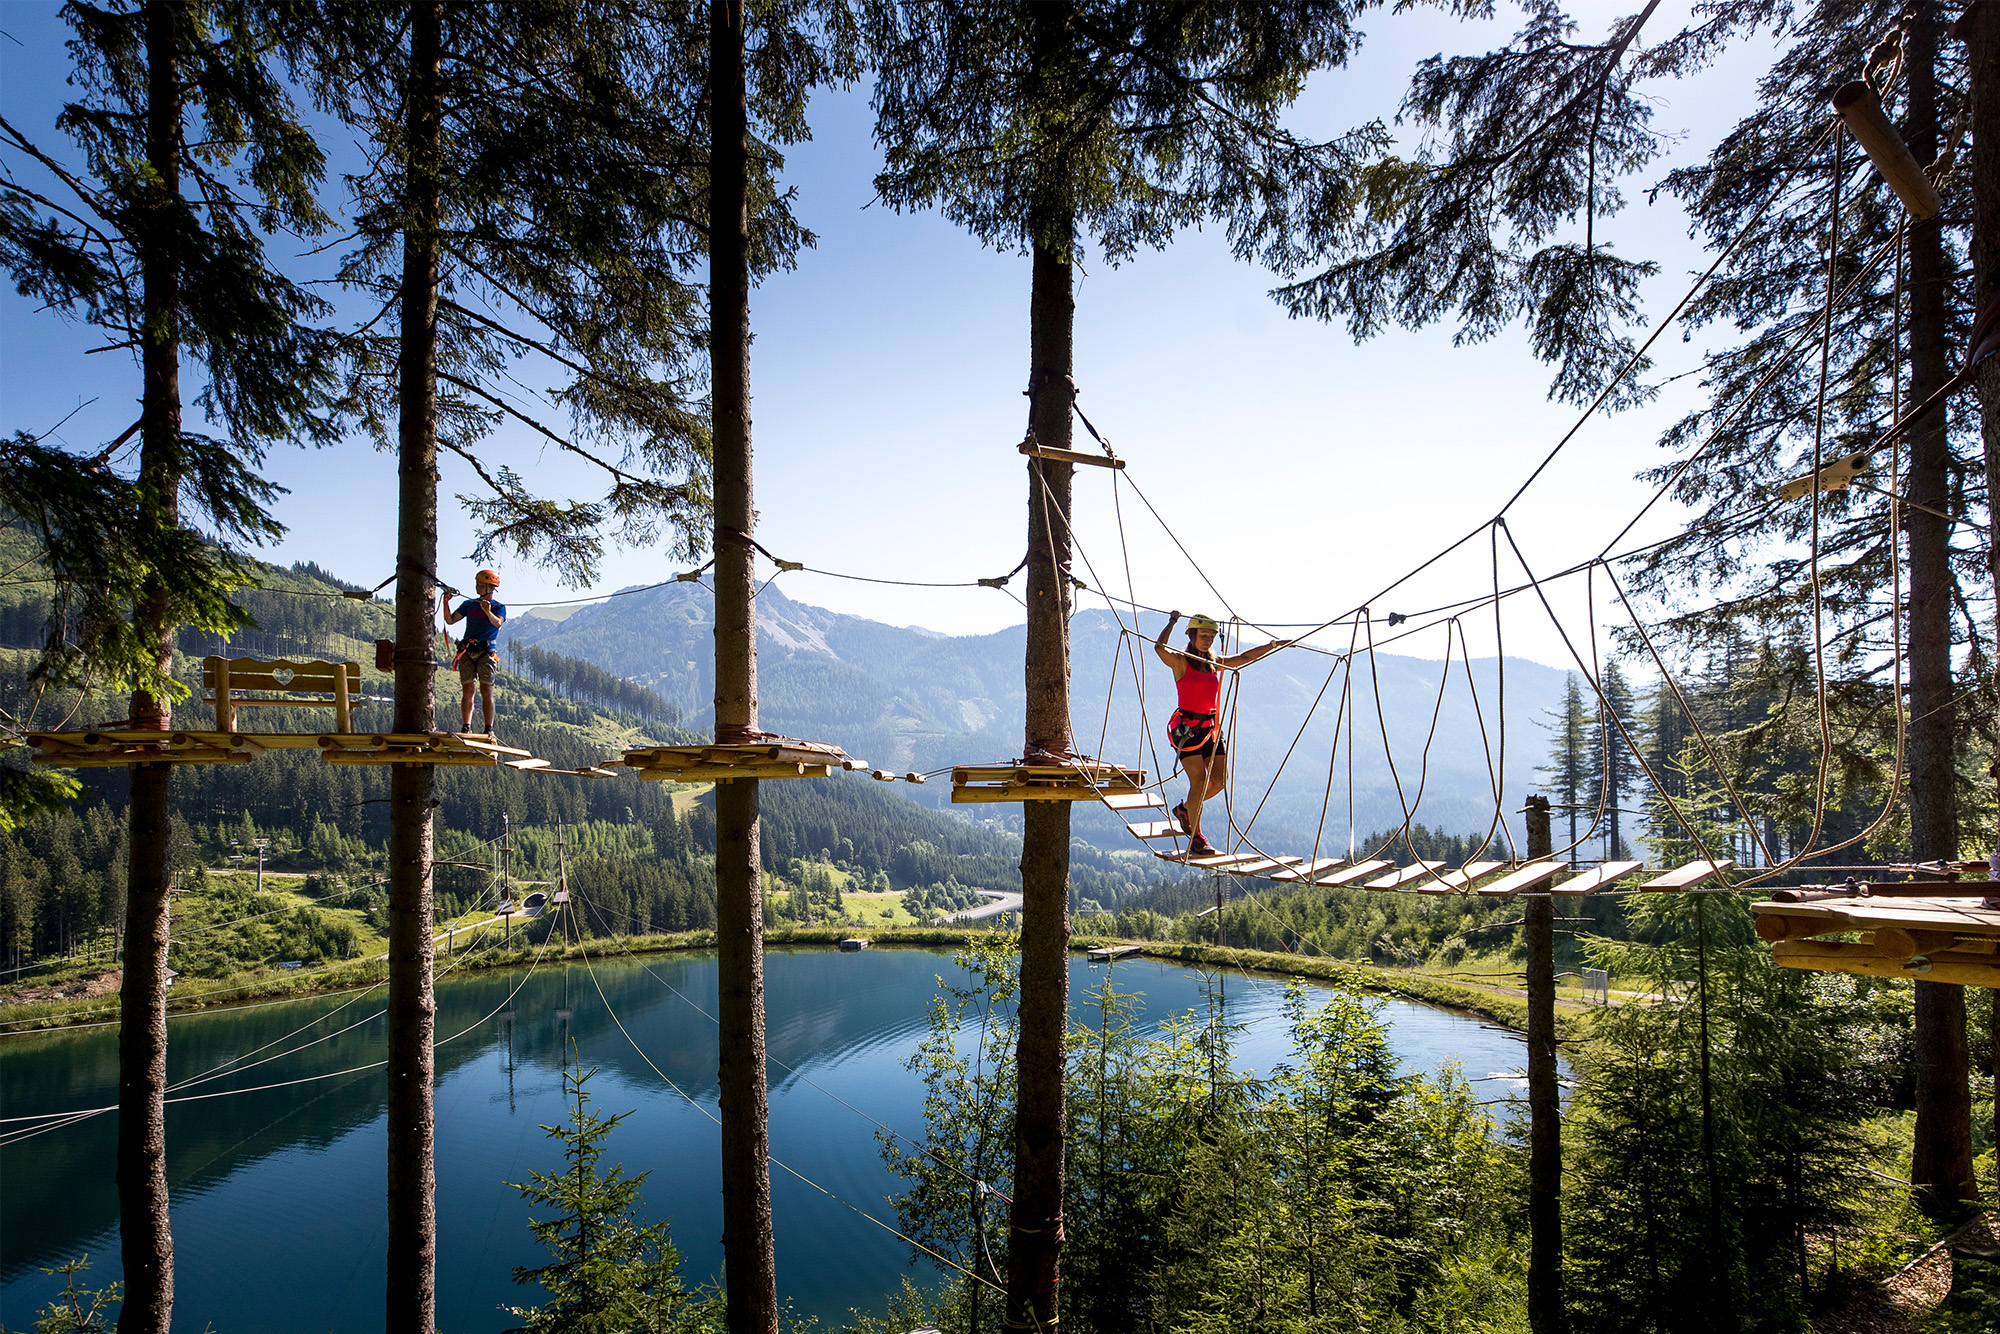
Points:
x=279, y=1221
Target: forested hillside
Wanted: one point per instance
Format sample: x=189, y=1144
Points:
x=912, y=699
x=639, y=846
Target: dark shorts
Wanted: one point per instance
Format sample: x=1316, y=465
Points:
x=475, y=663
x=1214, y=748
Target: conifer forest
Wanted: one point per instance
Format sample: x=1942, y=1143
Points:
x=1567, y=829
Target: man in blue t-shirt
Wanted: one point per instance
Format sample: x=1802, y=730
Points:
x=483, y=618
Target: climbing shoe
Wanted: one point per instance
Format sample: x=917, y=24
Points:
x=1200, y=847
x=1180, y=816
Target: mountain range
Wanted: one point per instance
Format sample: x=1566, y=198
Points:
x=906, y=698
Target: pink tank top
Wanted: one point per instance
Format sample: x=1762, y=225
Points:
x=1200, y=691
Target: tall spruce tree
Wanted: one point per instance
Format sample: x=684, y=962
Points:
x=1712, y=1139
x=539, y=197
x=763, y=60
x=192, y=154
x=1755, y=559
x=1610, y=766
x=1039, y=128
x=1568, y=769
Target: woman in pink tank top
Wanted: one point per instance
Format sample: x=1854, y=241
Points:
x=1194, y=728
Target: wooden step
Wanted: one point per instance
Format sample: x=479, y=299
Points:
x=1218, y=861
x=1155, y=829
x=1358, y=871
x=1305, y=872
x=1134, y=801
x=1263, y=866
x=1686, y=877
x=1597, y=878
x=1397, y=879
x=1456, y=880
x=1529, y=876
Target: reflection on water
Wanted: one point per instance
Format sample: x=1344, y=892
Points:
x=279, y=1220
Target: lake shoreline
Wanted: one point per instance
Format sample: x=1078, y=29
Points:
x=1506, y=1010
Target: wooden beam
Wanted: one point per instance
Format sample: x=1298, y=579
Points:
x=973, y=796
x=1904, y=889
x=1827, y=956
x=1861, y=108
x=1155, y=829
x=1071, y=456
x=1828, y=916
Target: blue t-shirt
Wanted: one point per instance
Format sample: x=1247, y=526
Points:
x=479, y=630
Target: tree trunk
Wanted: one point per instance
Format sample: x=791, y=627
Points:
x=1545, y=1298
x=1942, y=1163
x=1979, y=29
x=1035, y=1219
x=412, y=1286
x=145, y=1233
x=748, y=1258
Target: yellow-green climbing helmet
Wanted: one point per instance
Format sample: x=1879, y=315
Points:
x=1202, y=623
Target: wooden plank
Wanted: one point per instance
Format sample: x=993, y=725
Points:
x=1397, y=879
x=1263, y=865
x=1593, y=880
x=1827, y=956
x=1220, y=861
x=1358, y=871
x=1155, y=829
x=1134, y=801
x=535, y=763
x=1452, y=881
x=1303, y=872
x=1685, y=877
x=1529, y=876
x=1071, y=456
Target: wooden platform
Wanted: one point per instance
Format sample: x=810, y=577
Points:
x=1939, y=940
x=1082, y=779
x=115, y=748
x=779, y=757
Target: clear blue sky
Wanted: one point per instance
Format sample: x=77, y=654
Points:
x=1302, y=471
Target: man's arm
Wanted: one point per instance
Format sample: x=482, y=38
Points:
x=486, y=606
x=452, y=615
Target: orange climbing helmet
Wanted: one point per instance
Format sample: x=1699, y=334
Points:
x=486, y=578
